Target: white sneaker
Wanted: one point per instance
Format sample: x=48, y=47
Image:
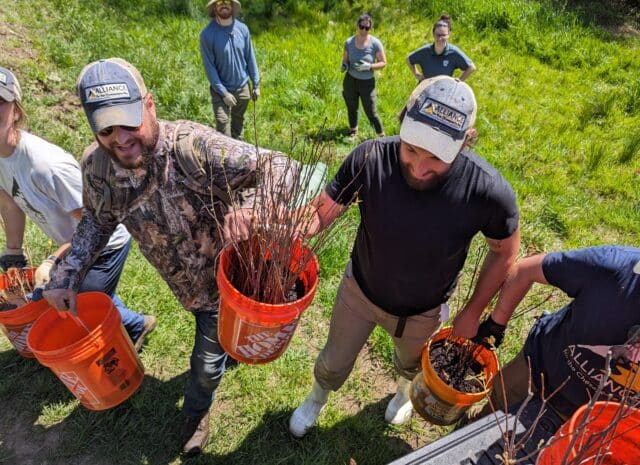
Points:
x=400, y=408
x=306, y=415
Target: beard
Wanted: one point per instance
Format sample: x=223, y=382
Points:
x=148, y=146
x=224, y=13
x=432, y=182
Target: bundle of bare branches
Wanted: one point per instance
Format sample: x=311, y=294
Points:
x=17, y=287
x=267, y=264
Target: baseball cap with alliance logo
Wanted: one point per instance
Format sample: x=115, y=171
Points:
x=9, y=86
x=111, y=92
x=440, y=110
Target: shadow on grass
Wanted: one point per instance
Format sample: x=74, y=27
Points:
x=364, y=438
x=329, y=133
x=41, y=421
x=617, y=16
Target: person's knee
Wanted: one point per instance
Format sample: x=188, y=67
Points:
x=330, y=377
x=207, y=371
x=406, y=370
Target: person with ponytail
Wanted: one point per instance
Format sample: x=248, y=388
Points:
x=439, y=57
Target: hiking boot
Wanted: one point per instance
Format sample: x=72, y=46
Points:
x=149, y=325
x=306, y=415
x=194, y=434
x=400, y=408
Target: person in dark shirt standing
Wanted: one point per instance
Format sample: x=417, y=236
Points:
x=229, y=61
x=440, y=57
x=422, y=197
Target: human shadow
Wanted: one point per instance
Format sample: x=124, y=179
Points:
x=42, y=423
x=362, y=438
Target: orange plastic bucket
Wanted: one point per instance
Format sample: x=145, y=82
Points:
x=436, y=401
x=16, y=323
x=254, y=332
x=619, y=445
x=101, y=368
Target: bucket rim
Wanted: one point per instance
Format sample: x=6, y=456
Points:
x=80, y=347
x=447, y=392
x=22, y=315
x=267, y=309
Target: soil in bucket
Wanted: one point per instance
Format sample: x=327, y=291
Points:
x=100, y=367
x=255, y=332
x=610, y=436
x=17, y=314
x=456, y=374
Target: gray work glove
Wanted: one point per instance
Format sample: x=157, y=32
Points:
x=230, y=100
x=362, y=66
x=490, y=334
x=43, y=272
x=344, y=67
x=255, y=94
x=12, y=258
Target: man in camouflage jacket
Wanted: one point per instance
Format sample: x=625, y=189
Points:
x=170, y=184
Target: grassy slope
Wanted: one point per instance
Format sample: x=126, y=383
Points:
x=559, y=103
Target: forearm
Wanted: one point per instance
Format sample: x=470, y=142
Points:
x=513, y=291
x=518, y=282
x=13, y=219
x=88, y=241
x=494, y=272
x=467, y=72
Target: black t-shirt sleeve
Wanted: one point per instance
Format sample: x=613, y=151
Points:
x=503, y=221
x=348, y=180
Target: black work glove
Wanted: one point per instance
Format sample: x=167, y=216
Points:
x=490, y=334
x=13, y=261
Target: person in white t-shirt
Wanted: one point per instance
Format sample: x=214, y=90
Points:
x=41, y=181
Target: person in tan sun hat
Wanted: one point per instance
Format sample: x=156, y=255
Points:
x=230, y=63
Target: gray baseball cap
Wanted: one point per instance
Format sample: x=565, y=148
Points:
x=9, y=86
x=111, y=92
x=440, y=110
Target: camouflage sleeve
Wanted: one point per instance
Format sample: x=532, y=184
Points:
x=247, y=173
x=90, y=237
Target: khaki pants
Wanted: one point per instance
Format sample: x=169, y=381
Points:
x=230, y=120
x=354, y=317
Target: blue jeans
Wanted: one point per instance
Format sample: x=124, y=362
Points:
x=208, y=360
x=104, y=276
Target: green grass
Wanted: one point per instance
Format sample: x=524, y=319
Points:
x=558, y=115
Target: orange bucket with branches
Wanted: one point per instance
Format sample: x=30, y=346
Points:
x=91, y=353
x=607, y=434
x=16, y=322
x=253, y=331
x=441, y=402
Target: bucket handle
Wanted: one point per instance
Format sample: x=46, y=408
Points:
x=79, y=322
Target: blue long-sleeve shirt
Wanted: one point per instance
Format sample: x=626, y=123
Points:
x=227, y=56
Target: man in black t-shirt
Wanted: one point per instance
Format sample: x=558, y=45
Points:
x=422, y=198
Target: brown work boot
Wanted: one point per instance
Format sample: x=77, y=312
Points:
x=149, y=325
x=194, y=434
